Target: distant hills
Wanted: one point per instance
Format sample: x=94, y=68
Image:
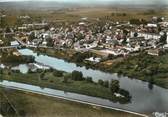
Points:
x=34, y=5
x=38, y=5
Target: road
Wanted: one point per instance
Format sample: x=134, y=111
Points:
x=57, y=94
x=14, y=46
x=22, y=45
x=8, y=47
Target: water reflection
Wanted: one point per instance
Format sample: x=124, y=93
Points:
x=145, y=97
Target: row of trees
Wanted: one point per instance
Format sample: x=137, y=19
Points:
x=78, y=76
x=113, y=85
x=79, y=57
x=17, y=59
x=138, y=21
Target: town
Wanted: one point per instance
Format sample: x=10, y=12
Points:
x=98, y=61
x=107, y=40
x=114, y=38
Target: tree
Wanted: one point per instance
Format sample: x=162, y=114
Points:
x=124, y=42
x=100, y=82
x=124, y=14
x=58, y=73
x=114, y=86
x=111, y=56
x=50, y=42
x=77, y=76
x=138, y=21
x=31, y=36
x=163, y=38
x=159, y=19
x=135, y=21
x=125, y=32
x=42, y=75
x=89, y=79
x=1, y=71
x=3, y=22
x=106, y=84
x=159, y=28
x=1, y=74
x=8, y=30
x=66, y=78
x=151, y=82
x=135, y=34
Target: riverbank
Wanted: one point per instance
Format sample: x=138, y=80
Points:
x=152, y=69
x=12, y=57
x=23, y=102
x=56, y=80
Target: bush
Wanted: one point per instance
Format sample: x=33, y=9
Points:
x=89, y=79
x=58, y=73
x=106, y=84
x=114, y=86
x=42, y=75
x=124, y=93
x=1, y=71
x=77, y=76
x=66, y=77
x=101, y=82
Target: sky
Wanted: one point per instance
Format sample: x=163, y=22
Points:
x=104, y=1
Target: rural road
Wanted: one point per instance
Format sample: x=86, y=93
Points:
x=38, y=90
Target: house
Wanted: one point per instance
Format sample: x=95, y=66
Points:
x=152, y=25
x=92, y=59
x=36, y=41
x=44, y=43
x=154, y=52
x=164, y=24
x=8, y=35
x=84, y=18
x=147, y=35
x=14, y=43
x=2, y=66
x=118, y=95
x=24, y=17
x=40, y=25
x=82, y=23
x=135, y=39
x=22, y=28
x=35, y=66
x=1, y=42
x=41, y=66
x=16, y=53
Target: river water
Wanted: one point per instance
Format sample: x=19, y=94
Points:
x=144, y=99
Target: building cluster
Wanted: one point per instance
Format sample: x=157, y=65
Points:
x=116, y=38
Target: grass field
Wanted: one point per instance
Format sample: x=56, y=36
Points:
x=92, y=13
x=32, y=105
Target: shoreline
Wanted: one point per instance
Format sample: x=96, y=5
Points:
x=74, y=100
x=97, y=67
x=61, y=80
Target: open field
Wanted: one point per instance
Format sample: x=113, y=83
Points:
x=32, y=105
x=73, y=15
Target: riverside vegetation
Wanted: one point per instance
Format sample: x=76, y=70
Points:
x=140, y=66
x=71, y=82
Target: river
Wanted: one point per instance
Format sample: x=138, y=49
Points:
x=144, y=99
